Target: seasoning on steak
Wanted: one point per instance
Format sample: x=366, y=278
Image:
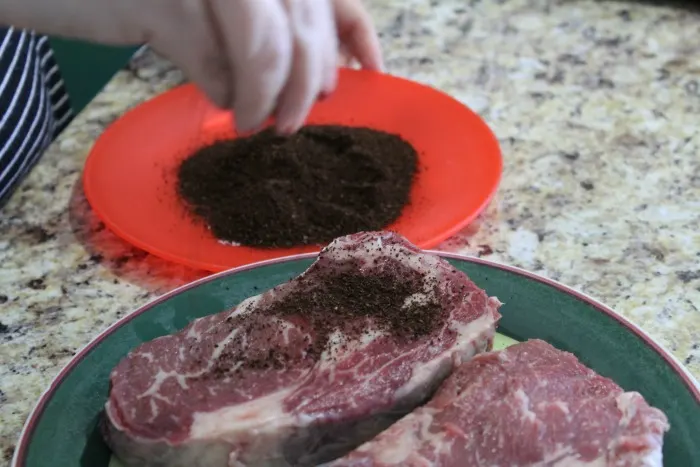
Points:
x=306, y=371
x=527, y=405
x=308, y=188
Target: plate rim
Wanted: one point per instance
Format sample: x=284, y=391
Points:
x=214, y=266
x=21, y=450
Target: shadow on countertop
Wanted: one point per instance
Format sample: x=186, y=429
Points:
x=125, y=261
x=693, y=6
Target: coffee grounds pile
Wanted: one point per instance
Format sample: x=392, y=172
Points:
x=347, y=301
x=309, y=188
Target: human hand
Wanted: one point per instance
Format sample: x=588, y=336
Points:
x=275, y=57
x=260, y=58
x=357, y=37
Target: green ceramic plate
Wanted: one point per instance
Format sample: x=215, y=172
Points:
x=61, y=431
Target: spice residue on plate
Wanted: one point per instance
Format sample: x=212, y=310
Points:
x=323, y=182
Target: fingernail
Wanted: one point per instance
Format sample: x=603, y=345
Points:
x=240, y=129
x=249, y=126
x=284, y=129
x=240, y=124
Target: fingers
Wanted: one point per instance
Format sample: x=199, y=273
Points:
x=189, y=41
x=256, y=38
x=357, y=34
x=313, y=69
x=345, y=57
x=330, y=55
x=211, y=73
x=279, y=56
x=264, y=57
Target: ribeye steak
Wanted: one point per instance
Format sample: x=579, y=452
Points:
x=527, y=405
x=306, y=371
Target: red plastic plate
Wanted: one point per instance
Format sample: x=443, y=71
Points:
x=130, y=174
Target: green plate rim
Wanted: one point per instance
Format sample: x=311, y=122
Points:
x=19, y=458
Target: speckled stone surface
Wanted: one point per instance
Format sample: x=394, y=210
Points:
x=596, y=105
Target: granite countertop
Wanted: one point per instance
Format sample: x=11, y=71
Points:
x=596, y=105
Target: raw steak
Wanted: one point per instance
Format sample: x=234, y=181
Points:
x=305, y=372
x=527, y=405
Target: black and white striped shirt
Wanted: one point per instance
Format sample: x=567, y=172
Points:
x=34, y=104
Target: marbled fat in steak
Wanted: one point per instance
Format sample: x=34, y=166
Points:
x=527, y=405
x=305, y=372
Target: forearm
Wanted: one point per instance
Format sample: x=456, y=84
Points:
x=105, y=21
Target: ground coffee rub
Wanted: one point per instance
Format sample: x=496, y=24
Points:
x=318, y=184
x=347, y=300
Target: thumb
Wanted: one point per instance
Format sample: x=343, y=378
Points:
x=356, y=33
x=345, y=57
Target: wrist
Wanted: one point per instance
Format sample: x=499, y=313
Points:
x=105, y=21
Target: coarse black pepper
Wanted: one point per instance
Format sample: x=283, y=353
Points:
x=309, y=188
